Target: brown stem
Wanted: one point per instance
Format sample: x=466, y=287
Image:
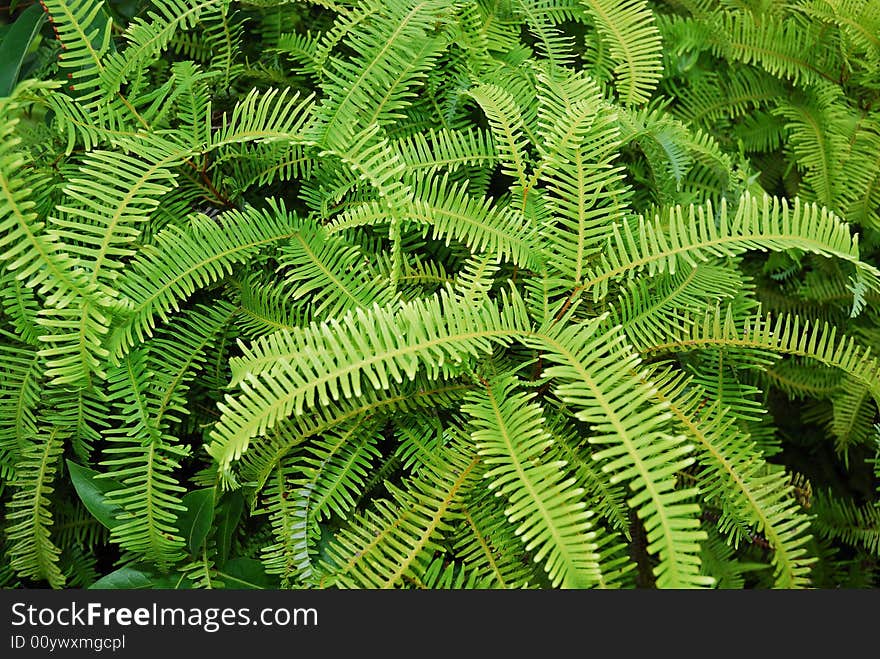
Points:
x=209, y=184
x=568, y=303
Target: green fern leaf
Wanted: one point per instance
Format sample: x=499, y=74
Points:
x=587, y=367
x=184, y=259
x=633, y=42
x=31, y=550
x=287, y=371
x=550, y=516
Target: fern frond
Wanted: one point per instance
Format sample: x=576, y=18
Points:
x=265, y=307
x=32, y=255
x=862, y=183
x=719, y=562
x=322, y=479
x=853, y=414
x=486, y=542
x=840, y=518
x=799, y=378
x=818, y=128
x=781, y=47
x=142, y=458
x=649, y=309
x=258, y=463
x=454, y=214
x=676, y=154
x=334, y=275
x=478, y=223
x=550, y=516
x=444, y=575
x=859, y=25
x=696, y=234
x=265, y=116
x=179, y=350
x=84, y=29
x=288, y=555
x=334, y=468
x=594, y=372
x=148, y=36
x=20, y=378
x=765, y=339
x=81, y=413
x=20, y=307
x=223, y=33
x=396, y=538
x=374, y=86
x=754, y=496
x=99, y=223
x=634, y=45
x=716, y=97
x=275, y=380
x=345, y=20
x=607, y=500
x=506, y=121
x=184, y=259
x=426, y=153
x=580, y=141
x=419, y=438
x=476, y=278
x=541, y=18
x=31, y=551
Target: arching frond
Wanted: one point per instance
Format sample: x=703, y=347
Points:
x=256, y=465
x=765, y=339
x=184, y=259
x=634, y=45
x=550, y=516
x=649, y=310
x=32, y=552
x=142, y=458
x=393, y=55
x=148, y=36
x=695, y=234
x=330, y=272
x=396, y=538
x=28, y=250
x=588, y=367
x=754, y=496
x=506, y=121
x=428, y=334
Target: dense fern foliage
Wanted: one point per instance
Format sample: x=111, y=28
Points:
x=429, y=294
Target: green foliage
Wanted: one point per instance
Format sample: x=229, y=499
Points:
x=423, y=294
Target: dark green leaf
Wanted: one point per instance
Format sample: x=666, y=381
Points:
x=226, y=520
x=93, y=492
x=247, y=573
x=194, y=523
x=16, y=44
x=138, y=577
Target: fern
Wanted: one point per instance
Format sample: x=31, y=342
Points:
x=416, y=294
x=185, y=259
x=392, y=345
x=32, y=552
x=632, y=444
x=549, y=516
x=142, y=458
x=634, y=44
